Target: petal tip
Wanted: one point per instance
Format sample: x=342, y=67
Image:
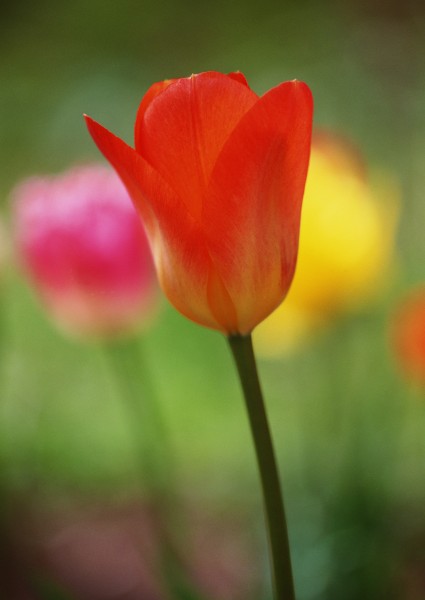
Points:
x=238, y=76
x=90, y=123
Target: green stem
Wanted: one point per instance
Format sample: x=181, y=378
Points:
x=155, y=456
x=243, y=354
x=153, y=449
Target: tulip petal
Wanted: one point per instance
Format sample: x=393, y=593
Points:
x=252, y=208
x=178, y=247
x=186, y=125
x=238, y=76
x=150, y=95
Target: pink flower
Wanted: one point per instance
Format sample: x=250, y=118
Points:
x=85, y=250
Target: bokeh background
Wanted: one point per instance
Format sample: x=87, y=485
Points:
x=349, y=425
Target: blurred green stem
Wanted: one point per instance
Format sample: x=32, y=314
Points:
x=155, y=459
x=243, y=354
x=153, y=449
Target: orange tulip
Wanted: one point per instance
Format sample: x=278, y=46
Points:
x=218, y=177
x=409, y=335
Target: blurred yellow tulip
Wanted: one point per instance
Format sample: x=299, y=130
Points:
x=346, y=245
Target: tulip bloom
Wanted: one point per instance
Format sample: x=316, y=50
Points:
x=86, y=251
x=218, y=176
x=409, y=335
x=346, y=249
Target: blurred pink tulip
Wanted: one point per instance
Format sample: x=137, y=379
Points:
x=86, y=252
x=109, y=551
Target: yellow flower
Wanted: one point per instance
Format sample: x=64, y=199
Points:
x=346, y=245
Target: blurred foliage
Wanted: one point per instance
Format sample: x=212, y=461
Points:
x=349, y=430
